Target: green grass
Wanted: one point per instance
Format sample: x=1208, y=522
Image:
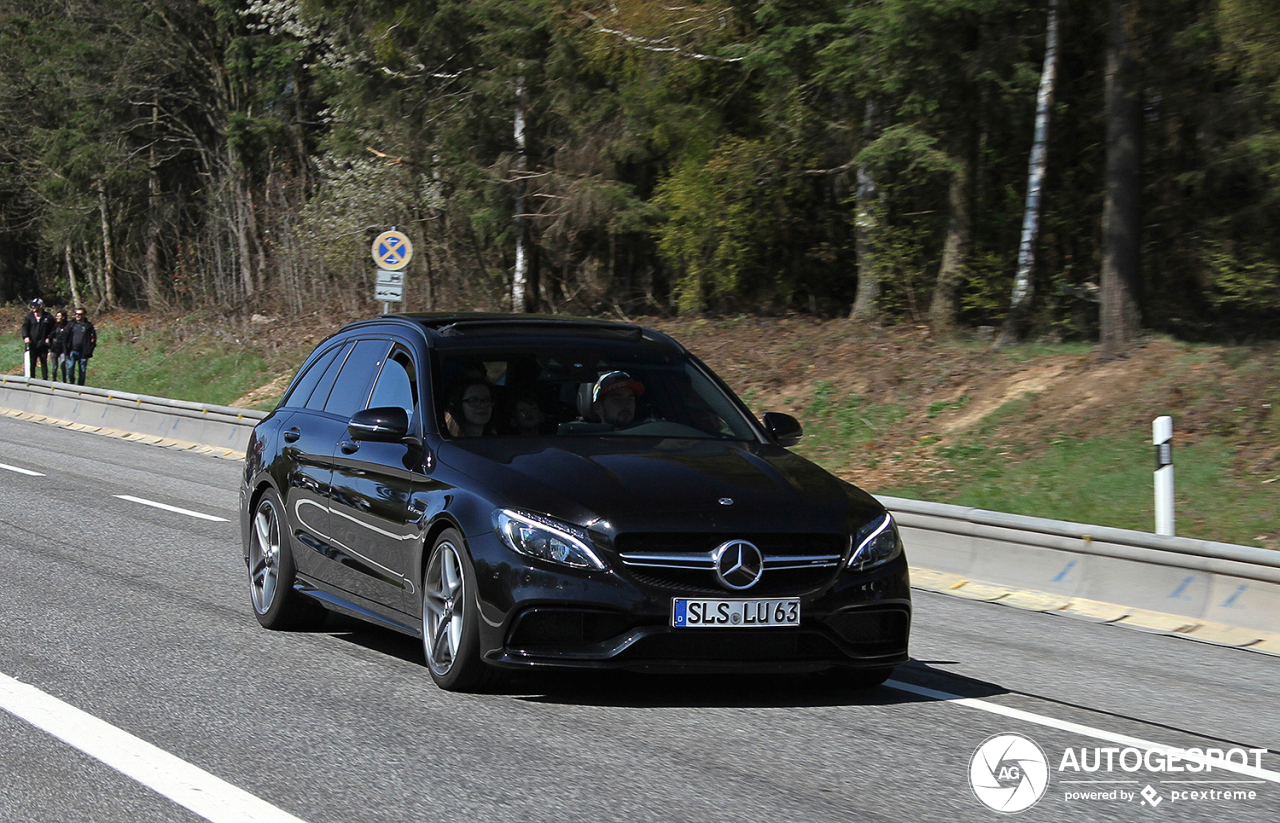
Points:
x=1109, y=482
x=11, y=353
x=937, y=407
x=206, y=373
x=1103, y=481
x=836, y=427
x=204, y=370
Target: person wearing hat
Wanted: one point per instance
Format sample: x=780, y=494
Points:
x=36, y=328
x=613, y=398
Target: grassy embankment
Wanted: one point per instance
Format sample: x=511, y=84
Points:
x=199, y=364
x=1104, y=478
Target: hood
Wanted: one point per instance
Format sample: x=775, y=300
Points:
x=662, y=485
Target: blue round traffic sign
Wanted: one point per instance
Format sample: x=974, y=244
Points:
x=392, y=250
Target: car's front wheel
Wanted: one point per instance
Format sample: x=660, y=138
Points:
x=450, y=630
x=271, y=571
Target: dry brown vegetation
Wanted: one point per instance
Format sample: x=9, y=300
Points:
x=911, y=395
x=947, y=388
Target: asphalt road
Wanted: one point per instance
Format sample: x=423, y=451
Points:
x=126, y=630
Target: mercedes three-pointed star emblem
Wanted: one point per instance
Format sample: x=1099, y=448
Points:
x=738, y=564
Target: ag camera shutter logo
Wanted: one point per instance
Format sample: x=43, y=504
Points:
x=1008, y=773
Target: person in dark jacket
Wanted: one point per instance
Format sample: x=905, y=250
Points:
x=58, y=345
x=36, y=328
x=81, y=339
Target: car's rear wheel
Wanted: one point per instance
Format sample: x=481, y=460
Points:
x=272, y=573
x=450, y=633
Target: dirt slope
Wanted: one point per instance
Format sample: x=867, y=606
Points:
x=909, y=395
x=947, y=388
x=942, y=390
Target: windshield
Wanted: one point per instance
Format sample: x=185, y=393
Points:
x=568, y=390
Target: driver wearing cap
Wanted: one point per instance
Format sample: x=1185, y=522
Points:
x=613, y=398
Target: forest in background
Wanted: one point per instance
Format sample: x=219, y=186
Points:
x=642, y=156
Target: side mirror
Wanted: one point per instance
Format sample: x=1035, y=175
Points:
x=784, y=429
x=388, y=424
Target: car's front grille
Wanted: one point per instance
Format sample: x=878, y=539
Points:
x=684, y=562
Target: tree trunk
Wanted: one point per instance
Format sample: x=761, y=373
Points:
x=522, y=297
x=867, y=225
x=955, y=251
x=108, y=256
x=71, y=279
x=155, y=291
x=1122, y=209
x=242, y=211
x=1020, y=300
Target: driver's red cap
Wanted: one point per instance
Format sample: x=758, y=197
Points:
x=615, y=380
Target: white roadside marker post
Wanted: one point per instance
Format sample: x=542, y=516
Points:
x=1162, y=437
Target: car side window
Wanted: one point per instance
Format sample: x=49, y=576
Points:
x=306, y=383
x=396, y=385
x=351, y=389
x=324, y=383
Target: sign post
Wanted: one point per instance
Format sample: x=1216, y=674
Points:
x=1162, y=438
x=392, y=251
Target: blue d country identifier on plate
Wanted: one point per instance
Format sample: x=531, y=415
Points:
x=734, y=614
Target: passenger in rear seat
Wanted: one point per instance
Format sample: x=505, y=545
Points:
x=526, y=416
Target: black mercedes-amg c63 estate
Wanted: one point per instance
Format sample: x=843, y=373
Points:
x=525, y=492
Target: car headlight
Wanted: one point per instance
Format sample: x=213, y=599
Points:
x=875, y=543
x=546, y=538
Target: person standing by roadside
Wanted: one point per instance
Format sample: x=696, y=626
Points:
x=58, y=345
x=81, y=339
x=36, y=328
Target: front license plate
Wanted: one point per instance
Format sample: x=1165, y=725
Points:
x=734, y=614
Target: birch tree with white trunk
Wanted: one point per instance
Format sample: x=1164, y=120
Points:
x=1020, y=300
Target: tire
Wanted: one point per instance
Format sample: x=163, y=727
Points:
x=450, y=618
x=271, y=571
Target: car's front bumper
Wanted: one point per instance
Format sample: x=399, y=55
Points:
x=535, y=615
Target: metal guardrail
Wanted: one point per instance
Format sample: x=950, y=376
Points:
x=1211, y=584
x=222, y=430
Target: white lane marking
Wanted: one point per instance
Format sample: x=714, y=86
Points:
x=156, y=505
x=210, y=797
x=1086, y=731
x=27, y=472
